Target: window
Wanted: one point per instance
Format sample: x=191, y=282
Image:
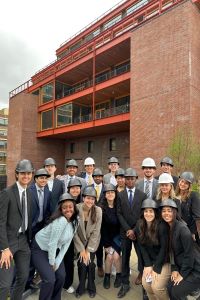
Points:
x=3, y=145
x=90, y=146
x=64, y=115
x=2, y=157
x=72, y=147
x=112, y=144
x=2, y=169
x=112, y=22
x=47, y=93
x=136, y=6
x=3, y=132
x=47, y=119
x=4, y=121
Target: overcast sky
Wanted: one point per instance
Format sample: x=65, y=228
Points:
x=31, y=31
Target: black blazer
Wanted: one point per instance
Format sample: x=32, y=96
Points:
x=57, y=191
x=11, y=216
x=101, y=197
x=186, y=257
x=128, y=216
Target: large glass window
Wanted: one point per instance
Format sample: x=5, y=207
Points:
x=2, y=157
x=2, y=169
x=47, y=119
x=64, y=115
x=4, y=121
x=112, y=22
x=47, y=93
x=3, y=145
x=3, y=132
x=136, y=6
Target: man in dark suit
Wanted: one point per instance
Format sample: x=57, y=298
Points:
x=89, y=164
x=148, y=184
x=41, y=200
x=167, y=165
x=15, y=232
x=129, y=204
x=56, y=186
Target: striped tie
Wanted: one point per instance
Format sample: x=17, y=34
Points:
x=147, y=189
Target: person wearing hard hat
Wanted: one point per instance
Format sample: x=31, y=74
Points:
x=15, y=231
x=167, y=165
x=89, y=168
x=86, y=241
x=185, y=258
x=50, y=245
x=166, y=190
x=148, y=184
x=55, y=185
x=71, y=171
x=128, y=211
x=41, y=210
x=119, y=175
x=113, y=166
x=190, y=204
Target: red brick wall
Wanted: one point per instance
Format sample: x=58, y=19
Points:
x=163, y=97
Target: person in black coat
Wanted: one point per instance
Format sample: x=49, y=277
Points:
x=185, y=258
x=110, y=230
x=56, y=186
x=152, y=237
x=129, y=204
x=15, y=232
x=190, y=204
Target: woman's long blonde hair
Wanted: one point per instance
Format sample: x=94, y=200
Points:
x=186, y=194
x=171, y=193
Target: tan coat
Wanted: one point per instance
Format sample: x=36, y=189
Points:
x=88, y=238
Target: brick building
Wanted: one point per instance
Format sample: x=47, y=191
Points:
x=3, y=146
x=120, y=87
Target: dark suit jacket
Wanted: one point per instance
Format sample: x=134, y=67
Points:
x=36, y=209
x=140, y=186
x=57, y=191
x=11, y=216
x=101, y=197
x=127, y=215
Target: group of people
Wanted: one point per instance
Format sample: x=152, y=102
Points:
x=50, y=221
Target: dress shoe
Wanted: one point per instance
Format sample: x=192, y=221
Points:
x=92, y=294
x=117, y=282
x=100, y=272
x=106, y=281
x=123, y=290
x=138, y=280
x=145, y=297
x=77, y=295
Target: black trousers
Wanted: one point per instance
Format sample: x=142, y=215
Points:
x=99, y=255
x=182, y=290
x=69, y=266
x=52, y=281
x=84, y=272
x=21, y=259
x=126, y=247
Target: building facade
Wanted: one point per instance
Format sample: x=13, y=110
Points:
x=3, y=146
x=120, y=87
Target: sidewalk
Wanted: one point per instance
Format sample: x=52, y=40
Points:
x=135, y=292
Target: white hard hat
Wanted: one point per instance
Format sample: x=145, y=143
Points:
x=89, y=161
x=165, y=178
x=148, y=162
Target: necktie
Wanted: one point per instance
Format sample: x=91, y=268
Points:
x=90, y=180
x=41, y=204
x=98, y=192
x=23, y=204
x=130, y=199
x=147, y=189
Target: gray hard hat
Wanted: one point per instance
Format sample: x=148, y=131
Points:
x=97, y=172
x=24, y=165
x=49, y=161
x=113, y=160
x=167, y=160
x=188, y=176
x=41, y=172
x=72, y=163
x=109, y=187
x=149, y=203
x=90, y=191
x=119, y=172
x=130, y=172
x=74, y=182
x=65, y=197
x=168, y=202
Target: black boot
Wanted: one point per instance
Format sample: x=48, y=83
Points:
x=106, y=281
x=117, y=282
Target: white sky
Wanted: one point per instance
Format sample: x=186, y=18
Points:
x=31, y=31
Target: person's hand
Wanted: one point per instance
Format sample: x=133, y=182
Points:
x=193, y=237
x=6, y=257
x=174, y=275
x=178, y=279
x=147, y=271
x=54, y=267
x=82, y=256
x=131, y=235
x=87, y=258
x=154, y=275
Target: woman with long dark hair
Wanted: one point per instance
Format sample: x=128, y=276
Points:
x=152, y=237
x=50, y=245
x=110, y=231
x=184, y=258
x=190, y=204
x=86, y=240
